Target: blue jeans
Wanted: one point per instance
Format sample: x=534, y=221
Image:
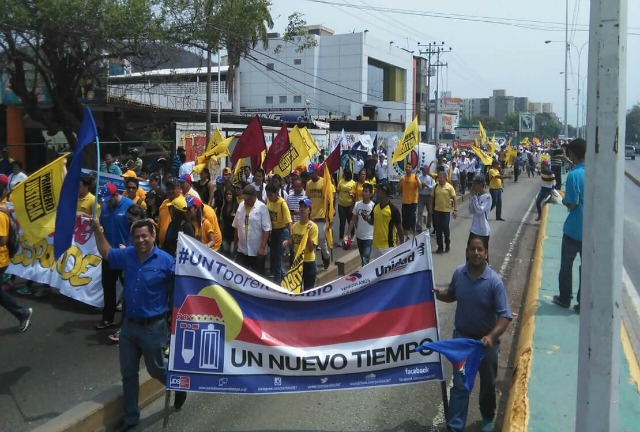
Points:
x=542, y=195
x=277, y=252
x=309, y=272
x=570, y=248
x=496, y=201
x=441, y=225
x=135, y=341
x=459, y=396
x=364, y=247
x=10, y=304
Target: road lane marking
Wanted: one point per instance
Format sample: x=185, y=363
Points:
x=627, y=347
x=512, y=245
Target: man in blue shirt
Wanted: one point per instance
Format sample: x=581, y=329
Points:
x=148, y=276
x=572, y=229
x=482, y=313
x=113, y=218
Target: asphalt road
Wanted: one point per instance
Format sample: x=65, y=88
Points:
x=632, y=223
x=410, y=408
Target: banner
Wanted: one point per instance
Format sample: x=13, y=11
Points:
x=116, y=180
x=77, y=273
x=410, y=139
x=236, y=332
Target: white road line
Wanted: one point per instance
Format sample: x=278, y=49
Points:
x=633, y=295
x=514, y=241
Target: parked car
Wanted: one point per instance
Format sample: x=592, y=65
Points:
x=630, y=152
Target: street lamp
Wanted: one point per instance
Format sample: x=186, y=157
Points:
x=566, y=89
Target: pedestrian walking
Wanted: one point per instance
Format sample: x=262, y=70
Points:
x=346, y=198
x=364, y=231
x=409, y=187
x=252, y=228
x=548, y=182
x=424, y=197
x=148, y=277
x=496, y=176
x=315, y=192
x=281, y=228
x=387, y=223
x=309, y=267
x=443, y=197
x=572, y=229
x=479, y=207
x=482, y=313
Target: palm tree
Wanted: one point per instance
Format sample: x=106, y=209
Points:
x=243, y=24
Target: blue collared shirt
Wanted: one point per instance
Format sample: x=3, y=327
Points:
x=115, y=222
x=480, y=302
x=147, y=284
x=574, y=194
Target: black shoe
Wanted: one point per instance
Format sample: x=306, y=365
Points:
x=105, y=325
x=325, y=262
x=447, y=249
x=123, y=427
x=557, y=300
x=576, y=308
x=439, y=251
x=500, y=219
x=179, y=399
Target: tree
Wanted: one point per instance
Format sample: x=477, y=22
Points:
x=488, y=123
x=64, y=44
x=632, y=134
x=547, y=126
x=512, y=121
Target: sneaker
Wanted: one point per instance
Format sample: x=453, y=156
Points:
x=24, y=290
x=488, y=425
x=24, y=323
x=439, y=251
x=447, y=249
x=119, y=306
x=115, y=336
x=557, y=300
x=576, y=308
x=325, y=262
x=500, y=219
x=104, y=325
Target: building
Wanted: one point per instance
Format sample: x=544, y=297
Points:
x=347, y=76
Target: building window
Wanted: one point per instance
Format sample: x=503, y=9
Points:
x=297, y=61
x=269, y=66
x=283, y=99
x=269, y=100
x=297, y=99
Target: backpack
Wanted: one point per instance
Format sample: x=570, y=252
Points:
x=13, y=243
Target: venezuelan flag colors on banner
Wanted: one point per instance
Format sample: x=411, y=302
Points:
x=236, y=332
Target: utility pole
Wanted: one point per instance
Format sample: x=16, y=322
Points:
x=438, y=65
x=599, y=344
x=433, y=48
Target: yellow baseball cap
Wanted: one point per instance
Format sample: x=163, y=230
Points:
x=179, y=203
x=130, y=173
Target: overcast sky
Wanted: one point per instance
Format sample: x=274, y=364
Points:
x=485, y=54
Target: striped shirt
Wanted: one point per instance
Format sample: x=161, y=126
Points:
x=293, y=202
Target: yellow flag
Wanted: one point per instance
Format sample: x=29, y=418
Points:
x=216, y=139
x=483, y=133
x=410, y=139
x=493, y=145
x=299, y=153
x=237, y=172
x=511, y=156
x=292, y=281
x=35, y=200
x=485, y=158
x=312, y=147
x=328, y=205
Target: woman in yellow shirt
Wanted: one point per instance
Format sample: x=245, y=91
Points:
x=309, y=269
x=346, y=196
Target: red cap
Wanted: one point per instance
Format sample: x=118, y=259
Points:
x=4, y=179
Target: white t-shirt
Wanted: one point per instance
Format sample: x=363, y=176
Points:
x=186, y=168
x=364, y=231
x=479, y=207
x=381, y=170
x=429, y=181
x=259, y=221
x=14, y=179
x=455, y=174
x=358, y=164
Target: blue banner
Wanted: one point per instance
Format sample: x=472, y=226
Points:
x=236, y=332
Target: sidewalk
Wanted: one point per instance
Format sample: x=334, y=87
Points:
x=543, y=394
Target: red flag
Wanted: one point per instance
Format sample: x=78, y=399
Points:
x=251, y=142
x=279, y=147
x=332, y=162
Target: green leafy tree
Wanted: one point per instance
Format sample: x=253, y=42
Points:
x=512, y=121
x=65, y=44
x=547, y=126
x=633, y=125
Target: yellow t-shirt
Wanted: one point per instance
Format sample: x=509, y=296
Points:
x=494, y=182
x=85, y=205
x=279, y=212
x=410, y=186
x=385, y=220
x=298, y=231
x=443, y=196
x=164, y=219
x=4, y=232
x=346, y=192
x=315, y=192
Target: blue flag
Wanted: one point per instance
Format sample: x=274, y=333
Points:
x=356, y=145
x=465, y=355
x=375, y=144
x=66, y=214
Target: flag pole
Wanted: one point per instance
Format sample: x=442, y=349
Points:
x=95, y=201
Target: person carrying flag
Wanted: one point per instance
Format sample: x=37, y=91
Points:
x=309, y=268
x=482, y=313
